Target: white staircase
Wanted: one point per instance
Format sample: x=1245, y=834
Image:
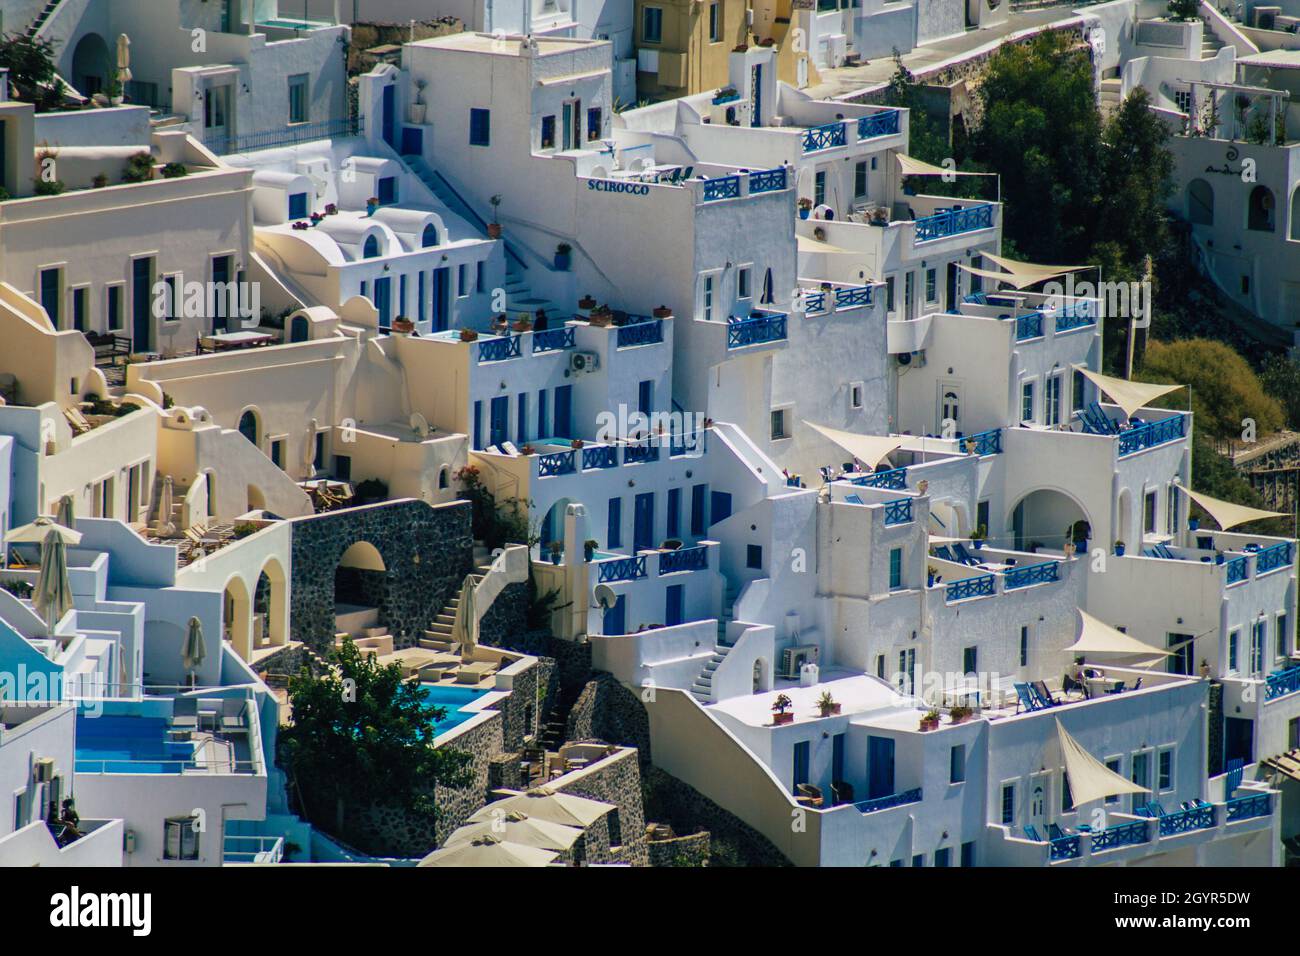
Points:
x=520, y=296
x=702, y=688
x=1210, y=43
x=728, y=613
x=43, y=17
x=437, y=637
x=1108, y=100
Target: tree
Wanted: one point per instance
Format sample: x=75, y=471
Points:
x=1180, y=10
x=1215, y=476
x=1137, y=172
x=352, y=746
x=1227, y=396
x=1281, y=379
x=32, y=77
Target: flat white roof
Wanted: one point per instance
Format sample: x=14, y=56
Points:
x=503, y=45
x=1284, y=59
x=856, y=693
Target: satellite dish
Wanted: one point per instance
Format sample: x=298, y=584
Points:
x=419, y=425
x=606, y=597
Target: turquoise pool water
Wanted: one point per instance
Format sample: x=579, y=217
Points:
x=128, y=745
x=453, y=699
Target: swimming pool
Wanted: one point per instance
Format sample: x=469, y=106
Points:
x=126, y=744
x=453, y=699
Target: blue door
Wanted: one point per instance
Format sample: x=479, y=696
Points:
x=221, y=305
x=141, y=301
x=384, y=302
x=441, y=283
x=298, y=329
x=880, y=767
x=564, y=411
x=616, y=617
x=674, y=527
x=719, y=507
x=497, y=430
x=643, y=528
x=389, y=114
x=645, y=397
x=674, y=608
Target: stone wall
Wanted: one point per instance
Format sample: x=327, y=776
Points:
x=1214, y=737
x=606, y=710
x=732, y=841
x=426, y=550
x=506, y=618
x=615, y=779
x=692, y=850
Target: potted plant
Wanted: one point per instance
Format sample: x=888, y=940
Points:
x=587, y=302
x=589, y=549
x=557, y=550
x=879, y=216
x=417, y=108
x=524, y=323
x=494, y=227
x=468, y=335
x=563, y=256
x=403, y=325
x=827, y=704
x=931, y=720
x=959, y=713
x=601, y=316
x=100, y=181
x=371, y=205
x=139, y=167
x=805, y=208
x=781, y=710
x=930, y=572
x=977, y=538
x=576, y=443
x=1119, y=549
x=331, y=209
x=1193, y=524
x=527, y=450
x=662, y=312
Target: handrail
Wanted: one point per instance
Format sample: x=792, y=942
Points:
x=892, y=479
x=982, y=585
x=893, y=800
x=1151, y=434
x=756, y=330
x=898, y=511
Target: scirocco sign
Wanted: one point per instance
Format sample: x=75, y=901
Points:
x=614, y=186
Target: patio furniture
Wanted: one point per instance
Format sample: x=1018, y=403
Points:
x=853, y=499
x=1031, y=832
x=108, y=345
x=809, y=796
x=474, y=673
x=1045, y=696
x=841, y=792
x=964, y=556
x=1025, y=698
x=1117, y=689
x=185, y=713
x=231, y=720
x=1054, y=832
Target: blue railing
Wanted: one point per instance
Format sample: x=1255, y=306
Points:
x=725, y=187
x=1246, y=808
x=853, y=296
x=1075, y=316
x=1029, y=326
x=884, y=123
x=1151, y=434
x=985, y=443
x=898, y=512
x=497, y=350
x=648, y=332
x=1030, y=574
x=893, y=800
x=559, y=463
x=954, y=222
x=756, y=330
x=599, y=456
x=621, y=569
x=285, y=136
x=1236, y=569
x=683, y=559
x=1126, y=834
x=1282, y=683
x=981, y=586
x=824, y=137
x=1065, y=848
x=635, y=454
x=1185, y=821
x=814, y=301
x=552, y=340
x=768, y=180
x=893, y=479
x=1272, y=558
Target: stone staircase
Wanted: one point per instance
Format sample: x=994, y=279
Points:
x=520, y=296
x=1108, y=99
x=1210, y=44
x=702, y=688
x=728, y=612
x=438, y=636
x=43, y=17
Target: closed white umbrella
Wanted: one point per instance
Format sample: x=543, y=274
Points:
x=63, y=514
x=491, y=852
x=52, y=595
x=123, y=59
x=194, y=650
x=309, y=451
x=165, y=503
x=464, y=628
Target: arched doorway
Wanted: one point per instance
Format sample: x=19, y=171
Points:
x=1295, y=214
x=237, y=617
x=269, y=606
x=552, y=527
x=1260, y=210
x=429, y=237
x=92, y=65
x=1046, y=518
x=250, y=427
x=1200, y=203
x=298, y=329
x=360, y=588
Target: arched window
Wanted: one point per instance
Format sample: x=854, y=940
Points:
x=248, y=426
x=298, y=329
x=442, y=477
x=1200, y=203
x=371, y=248
x=1295, y=214
x=1259, y=212
x=430, y=237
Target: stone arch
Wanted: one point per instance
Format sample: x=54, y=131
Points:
x=552, y=526
x=1200, y=203
x=271, y=601
x=361, y=583
x=1295, y=215
x=92, y=65
x=237, y=616
x=250, y=425
x=1043, y=515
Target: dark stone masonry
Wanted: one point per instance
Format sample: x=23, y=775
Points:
x=426, y=552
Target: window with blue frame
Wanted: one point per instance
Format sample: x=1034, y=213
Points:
x=388, y=190
x=699, y=513
x=371, y=248
x=297, y=205
x=478, y=425
x=480, y=127
x=674, y=522
x=754, y=556
x=1008, y=804
x=541, y=414
x=51, y=295
x=895, y=568
x=614, y=535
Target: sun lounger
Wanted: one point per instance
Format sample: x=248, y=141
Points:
x=1025, y=698
x=808, y=795
x=231, y=720
x=1054, y=832
x=473, y=673
x=964, y=556
x=1045, y=696
x=1032, y=833
x=185, y=713
x=853, y=499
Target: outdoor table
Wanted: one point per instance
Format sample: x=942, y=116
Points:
x=241, y=339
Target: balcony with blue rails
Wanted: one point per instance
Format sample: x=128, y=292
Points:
x=1076, y=315
x=1044, y=573
x=599, y=456
x=1151, y=434
x=1235, y=570
x=827, y=136
x=984, y=443
x=768, y=180
x=1281, y=683
x=614, y=570
x=953, y=222
x=1248, y=808
x=852, y=296
x=1125, y=834
x=1187, y=821
x=1273, y=557
x=892, y=479
x=556, y=463
x=898, y=511
x=640, y=330
x=551, y=340
x=640, y=452
x=723, y=187
x=760, y=328
x=983, y=585
x=1066, y=848
x=683, y=559
x=499, y=349
x=1029, y=326
x=884, y=123
x=893, y=800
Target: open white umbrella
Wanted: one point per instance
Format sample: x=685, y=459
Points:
x=52, y=595
x=464, y=628
x=519, y=828
x=194, y=650
x=543, y=803
x=489, y=851
x=38, y=531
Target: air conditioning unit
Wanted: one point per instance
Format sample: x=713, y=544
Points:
x=43, y=768
x=916, y=359
x=583, y=361
x=793, y=658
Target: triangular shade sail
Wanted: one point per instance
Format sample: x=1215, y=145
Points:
x=1090, y=779
x=1228, y=515
x=868, y=449
x=915, y=167
x=1098, y=637
x=809, y=244
x=1031, y=268
x=1011, y=278
x=1128, y=395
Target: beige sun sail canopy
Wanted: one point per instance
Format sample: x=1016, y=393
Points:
x=1031, y=268
x=909, y=166
x=868, y=449
x=1128, y=395
x=809, y=244
x=1227, y=514
x=1090, y=779
x=1098, y=637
